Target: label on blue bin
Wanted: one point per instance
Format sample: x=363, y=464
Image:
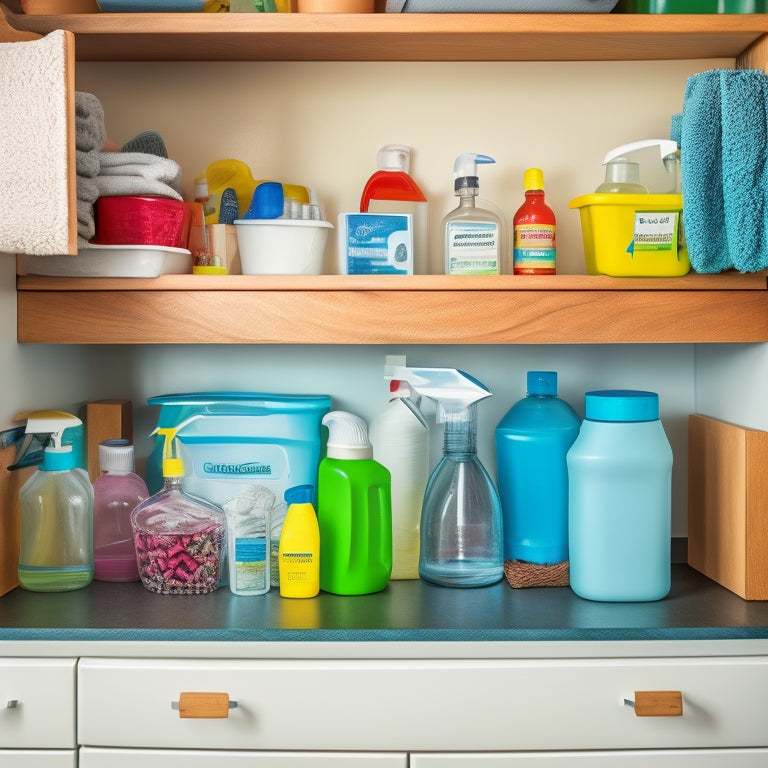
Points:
x=655, y=232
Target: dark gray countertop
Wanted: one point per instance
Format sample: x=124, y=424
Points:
x=696, y=609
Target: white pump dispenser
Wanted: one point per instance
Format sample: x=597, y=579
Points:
x=474, y=236
x=657, y=178
x=461, y=524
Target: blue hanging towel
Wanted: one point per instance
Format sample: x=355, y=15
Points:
x=701, y=169
x=745, y=180
x=723, y=146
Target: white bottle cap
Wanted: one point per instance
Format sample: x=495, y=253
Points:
x=347, y=436
x=394, y=157
x=116, y=455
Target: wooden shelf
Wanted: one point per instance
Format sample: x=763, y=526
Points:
x=434, y=309
x=404, y=37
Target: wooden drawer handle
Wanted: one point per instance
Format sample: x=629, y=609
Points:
x=195, y=704
x=657, y=703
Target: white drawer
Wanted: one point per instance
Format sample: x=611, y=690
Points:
x=652, y=758
x=41, y=713
x=91, y=757
x=38, y=758
x=417, y=705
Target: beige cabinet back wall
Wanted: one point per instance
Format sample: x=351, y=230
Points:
x=321, y=123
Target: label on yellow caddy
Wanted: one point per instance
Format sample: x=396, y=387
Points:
x=655, y=232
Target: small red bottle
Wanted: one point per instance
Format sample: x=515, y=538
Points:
x=534, y=229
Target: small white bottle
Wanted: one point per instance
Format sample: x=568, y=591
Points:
x=400, y=438
x=474, y=236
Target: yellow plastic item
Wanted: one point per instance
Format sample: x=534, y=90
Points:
x=235, y=174
x=172, y=465
x=299, y=548
x=633, y=235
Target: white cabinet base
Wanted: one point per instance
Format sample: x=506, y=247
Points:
x=38, y=758
x=652, y=758
x=92, y=757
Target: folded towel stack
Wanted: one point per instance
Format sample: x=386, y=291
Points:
x=90, y=135
x=724, y=150
x=138, y=173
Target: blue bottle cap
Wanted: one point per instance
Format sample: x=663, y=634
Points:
x=542, y=383
x=621, y=405
x=299, y=494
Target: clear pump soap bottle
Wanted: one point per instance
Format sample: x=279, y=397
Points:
x=474, y=236
x=461, y=522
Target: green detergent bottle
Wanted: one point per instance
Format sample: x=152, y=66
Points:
x=354, y=511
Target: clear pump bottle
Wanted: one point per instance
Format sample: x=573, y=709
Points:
x=116, y=493
x=622, y=177
x=474, y=236
x=461, y=522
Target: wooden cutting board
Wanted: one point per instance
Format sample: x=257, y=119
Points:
x=10, y=522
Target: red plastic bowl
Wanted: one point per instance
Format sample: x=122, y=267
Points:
x=128, y=220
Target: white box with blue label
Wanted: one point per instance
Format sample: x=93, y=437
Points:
x=375, y=243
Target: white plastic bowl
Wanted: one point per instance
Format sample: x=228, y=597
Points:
x=281, y=246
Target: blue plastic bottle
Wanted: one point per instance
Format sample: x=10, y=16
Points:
x=531, y=443
x=620, y=479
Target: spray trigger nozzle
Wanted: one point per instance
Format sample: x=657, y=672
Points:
x=173, y=466
x=453, y=390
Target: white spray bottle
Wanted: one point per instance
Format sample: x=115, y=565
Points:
x=461, y=522
x=400, y=438
x=56, y=548
x=474, y=236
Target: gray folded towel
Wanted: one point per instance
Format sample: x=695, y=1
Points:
x=137, y=173
x=87, y=163
x=90, y=129
x=87, y=193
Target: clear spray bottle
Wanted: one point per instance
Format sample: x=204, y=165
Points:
x=474, y=236
x=56, y=549
x=461, y=523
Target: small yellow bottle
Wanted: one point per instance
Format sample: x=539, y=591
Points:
x=299, y=551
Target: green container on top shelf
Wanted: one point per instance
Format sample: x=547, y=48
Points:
x=691, y=6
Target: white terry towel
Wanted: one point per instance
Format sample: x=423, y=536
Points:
x=137, y=173
x=34, y=178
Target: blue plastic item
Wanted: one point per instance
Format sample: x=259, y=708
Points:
x=531, y=443
x=285, y=421
x=268, y=201
x=620, y=480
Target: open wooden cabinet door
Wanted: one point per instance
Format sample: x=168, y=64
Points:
x=38, y=181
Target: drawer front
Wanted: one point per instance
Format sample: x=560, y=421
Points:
x=684, y=758
x=169, y=758
x=38, y=758
x=411, y=705
x=37, y=703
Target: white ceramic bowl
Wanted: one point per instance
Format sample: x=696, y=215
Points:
x=281, y=246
